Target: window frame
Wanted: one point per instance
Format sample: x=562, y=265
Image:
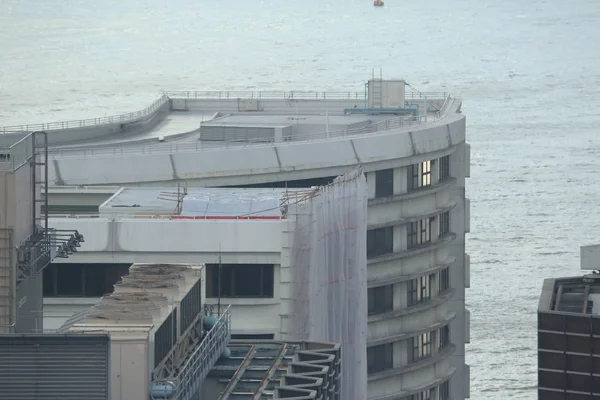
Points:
x=444, y=168
x=421, y=346
x=444, y=280
x=419, y=290
x=380, y=241
x=444, y=224
x=265, y=284
x=418, y=233
x=383, y=352
x=428, y=394
x=443, y=337
x=444, y=391
x=90, y=284
x=384, y=183
x=380, y=299
x=419, y=175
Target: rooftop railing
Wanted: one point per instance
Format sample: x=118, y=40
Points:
x=164, y=98
x=169, y=148
x=14, y=156
x=201, y=361
x=82, y=123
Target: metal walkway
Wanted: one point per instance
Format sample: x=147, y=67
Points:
x=254, y=370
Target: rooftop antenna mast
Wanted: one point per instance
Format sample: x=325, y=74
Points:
x=176, y=197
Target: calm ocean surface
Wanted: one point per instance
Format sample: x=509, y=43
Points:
x=529, y=74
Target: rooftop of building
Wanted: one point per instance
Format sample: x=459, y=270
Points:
x=579, y=294
x=139, y=300
x=142, y=303
x=191, y=119
x=201, y=203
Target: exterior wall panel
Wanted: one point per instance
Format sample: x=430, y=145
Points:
x=53, y=367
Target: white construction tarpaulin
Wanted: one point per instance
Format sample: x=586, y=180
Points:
x=329, y=275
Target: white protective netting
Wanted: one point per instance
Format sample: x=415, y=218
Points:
x=329, y=275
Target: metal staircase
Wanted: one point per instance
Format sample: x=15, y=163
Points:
x=195, y=362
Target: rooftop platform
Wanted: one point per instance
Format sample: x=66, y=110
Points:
x=176, y=125
x=200, y=203
x=258, y=369
x=264, y=137
x=174, y=116
x=580, y=295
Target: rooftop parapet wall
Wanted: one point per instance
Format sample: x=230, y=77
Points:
x=285, y=102
x=165, y=165
x=74, y=131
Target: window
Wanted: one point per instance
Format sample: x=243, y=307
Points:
x=444, y=227
x=419, y=290
x=444, y=391
x=424, y=395
x=300, y=183
x=381, y=299
x=82, y=280
x=421, y=346
x=380, y=358
x=384, y=183
x=380, y=241
x=252, y=337
x=419, y=175
x=240, y=280
x=444, y=337
x=419, y=233
x=444, y=279
x=444, y=168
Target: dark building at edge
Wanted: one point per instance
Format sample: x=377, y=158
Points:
x=569, y=339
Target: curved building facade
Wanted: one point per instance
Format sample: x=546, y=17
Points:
x=412, y=147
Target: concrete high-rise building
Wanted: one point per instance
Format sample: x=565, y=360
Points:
x=412, y=148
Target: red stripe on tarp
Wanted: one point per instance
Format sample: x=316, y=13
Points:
x=227, y=217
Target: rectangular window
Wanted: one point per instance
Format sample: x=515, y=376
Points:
x=381, y=299
x=380, y=358
x=418, y=233
x=419, y=290
x=82, y=280
x=419, y=175
x=384, y=183
x=240, y=280
x=444, y=168
x=443, y=337
x=444, y=282
x=380, y=241
x=444, y=226
x=424, y=395
x=253, y=336
x=444, y=391
x=70, y=281
x=421, y=346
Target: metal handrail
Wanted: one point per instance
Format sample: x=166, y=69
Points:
x=122, y=118
x=268, y=95
x=203, y=358
x=165, y=97
x=161, y=148
x=288, y=95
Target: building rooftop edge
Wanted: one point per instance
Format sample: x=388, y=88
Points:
x=552, y=293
